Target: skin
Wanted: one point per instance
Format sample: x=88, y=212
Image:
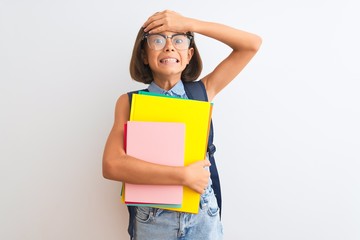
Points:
x=119, y=166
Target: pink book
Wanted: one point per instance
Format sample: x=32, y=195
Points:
x=160, y=143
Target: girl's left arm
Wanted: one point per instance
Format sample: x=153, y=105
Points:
x=244, y=45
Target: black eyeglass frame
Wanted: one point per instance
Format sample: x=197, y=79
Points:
x=188, y=35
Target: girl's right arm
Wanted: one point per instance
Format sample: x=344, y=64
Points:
x=119, y=166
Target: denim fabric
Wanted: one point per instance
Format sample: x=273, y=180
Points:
x=159, y=224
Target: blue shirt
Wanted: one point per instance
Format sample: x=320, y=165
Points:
x=177, y=91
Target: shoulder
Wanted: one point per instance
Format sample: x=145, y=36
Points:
x=122, y=99
x=122, y=107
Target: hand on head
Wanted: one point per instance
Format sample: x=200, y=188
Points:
x=166, y=20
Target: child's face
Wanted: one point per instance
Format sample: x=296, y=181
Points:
x=169, y=60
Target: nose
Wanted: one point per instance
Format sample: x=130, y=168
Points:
x=169, y=46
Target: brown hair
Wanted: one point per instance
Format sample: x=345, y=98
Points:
x=141, y=72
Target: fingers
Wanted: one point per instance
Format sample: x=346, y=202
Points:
x=201, y=188
x=207, y=163
x=152, y=21
x=162, y=21
x=196, y=176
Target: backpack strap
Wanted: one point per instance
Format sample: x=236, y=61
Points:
x=132, y=92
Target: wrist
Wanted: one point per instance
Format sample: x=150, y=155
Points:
x=180, y=175
x=192, y=25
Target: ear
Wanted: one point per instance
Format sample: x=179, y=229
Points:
x=190, y=54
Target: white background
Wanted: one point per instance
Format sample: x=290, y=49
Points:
x=287, y=129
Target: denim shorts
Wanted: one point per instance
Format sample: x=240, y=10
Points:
x=159, y=224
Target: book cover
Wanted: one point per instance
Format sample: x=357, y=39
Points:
x=156, y=142
x=196, y=115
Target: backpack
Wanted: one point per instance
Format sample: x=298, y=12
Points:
x=194, y=90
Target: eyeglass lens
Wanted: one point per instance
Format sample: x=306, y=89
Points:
x=158, y=41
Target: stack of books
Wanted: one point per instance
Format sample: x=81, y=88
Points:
x=168, y=131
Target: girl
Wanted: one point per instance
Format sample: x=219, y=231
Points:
x=165, y=57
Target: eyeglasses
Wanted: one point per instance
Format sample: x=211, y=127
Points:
x=157, y=41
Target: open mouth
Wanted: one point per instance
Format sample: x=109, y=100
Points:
x=169, y=60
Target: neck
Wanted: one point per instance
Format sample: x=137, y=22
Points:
x=166, y=84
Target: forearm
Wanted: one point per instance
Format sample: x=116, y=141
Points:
x=237, y=39
x=131, y=170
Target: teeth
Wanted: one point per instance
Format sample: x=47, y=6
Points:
x=168, y=60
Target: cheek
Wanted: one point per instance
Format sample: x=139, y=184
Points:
x=150, y=59
x=147, y=56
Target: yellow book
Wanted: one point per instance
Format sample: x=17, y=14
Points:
x=195, y=114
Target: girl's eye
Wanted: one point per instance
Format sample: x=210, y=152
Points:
x=178, y=41
x=158, y=41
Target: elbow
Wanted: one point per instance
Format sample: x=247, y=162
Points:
x=106, y=173
x=107, y=170
x=256, y=43
x=113, y=168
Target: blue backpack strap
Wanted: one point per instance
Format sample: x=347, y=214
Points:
x=196, y=90
x=132, y=92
